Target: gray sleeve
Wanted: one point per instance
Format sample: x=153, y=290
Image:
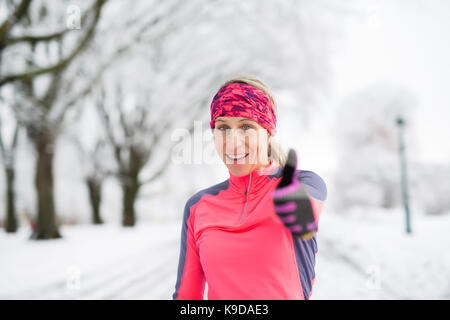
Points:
x=314, y=184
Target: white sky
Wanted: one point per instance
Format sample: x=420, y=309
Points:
x=403, y=43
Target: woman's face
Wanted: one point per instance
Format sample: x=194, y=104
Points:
x=241, y=144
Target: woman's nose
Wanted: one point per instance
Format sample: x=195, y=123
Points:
x=235, y=141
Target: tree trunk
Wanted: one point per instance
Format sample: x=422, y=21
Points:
x=95, y=188
x=11, y=220
x=130, y=191
x=46, y=227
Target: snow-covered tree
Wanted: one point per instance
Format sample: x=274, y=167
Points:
x=36, y=39
x=367, y=142
x=37, y=54
x=55, y=65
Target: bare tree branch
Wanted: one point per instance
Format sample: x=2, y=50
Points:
x=100, y=104
x=190, y=129
x=64, y=62
x=16, y=16
x=119, y=108
x=33, y=39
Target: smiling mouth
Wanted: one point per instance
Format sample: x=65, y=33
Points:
x=237, y=157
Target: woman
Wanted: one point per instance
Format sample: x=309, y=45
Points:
x=250, y=236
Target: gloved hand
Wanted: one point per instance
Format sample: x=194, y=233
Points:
x=292, y=203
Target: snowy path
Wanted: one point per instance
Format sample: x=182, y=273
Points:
x=339, y=276
x=372, y=259
x=367, y=255
x=135, y=276
x=136, y=266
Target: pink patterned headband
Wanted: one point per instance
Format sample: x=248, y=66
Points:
x=243, y=100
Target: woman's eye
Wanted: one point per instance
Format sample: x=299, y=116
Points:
x=245, y=127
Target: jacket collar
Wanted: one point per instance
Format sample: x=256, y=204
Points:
x=255, y=180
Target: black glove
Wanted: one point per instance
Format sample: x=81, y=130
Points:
x=292, y=203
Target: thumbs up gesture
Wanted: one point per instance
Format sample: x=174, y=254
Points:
x=292, y=203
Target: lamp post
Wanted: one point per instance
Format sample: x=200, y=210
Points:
x=404, y=181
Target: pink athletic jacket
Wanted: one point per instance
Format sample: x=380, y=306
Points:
x=233, y=239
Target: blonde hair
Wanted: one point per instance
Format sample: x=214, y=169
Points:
x=275, y=151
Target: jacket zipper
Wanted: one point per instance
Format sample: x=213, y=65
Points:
x=246, y=196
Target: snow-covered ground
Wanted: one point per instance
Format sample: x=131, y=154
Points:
x=364, y=254
x=91, y=262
